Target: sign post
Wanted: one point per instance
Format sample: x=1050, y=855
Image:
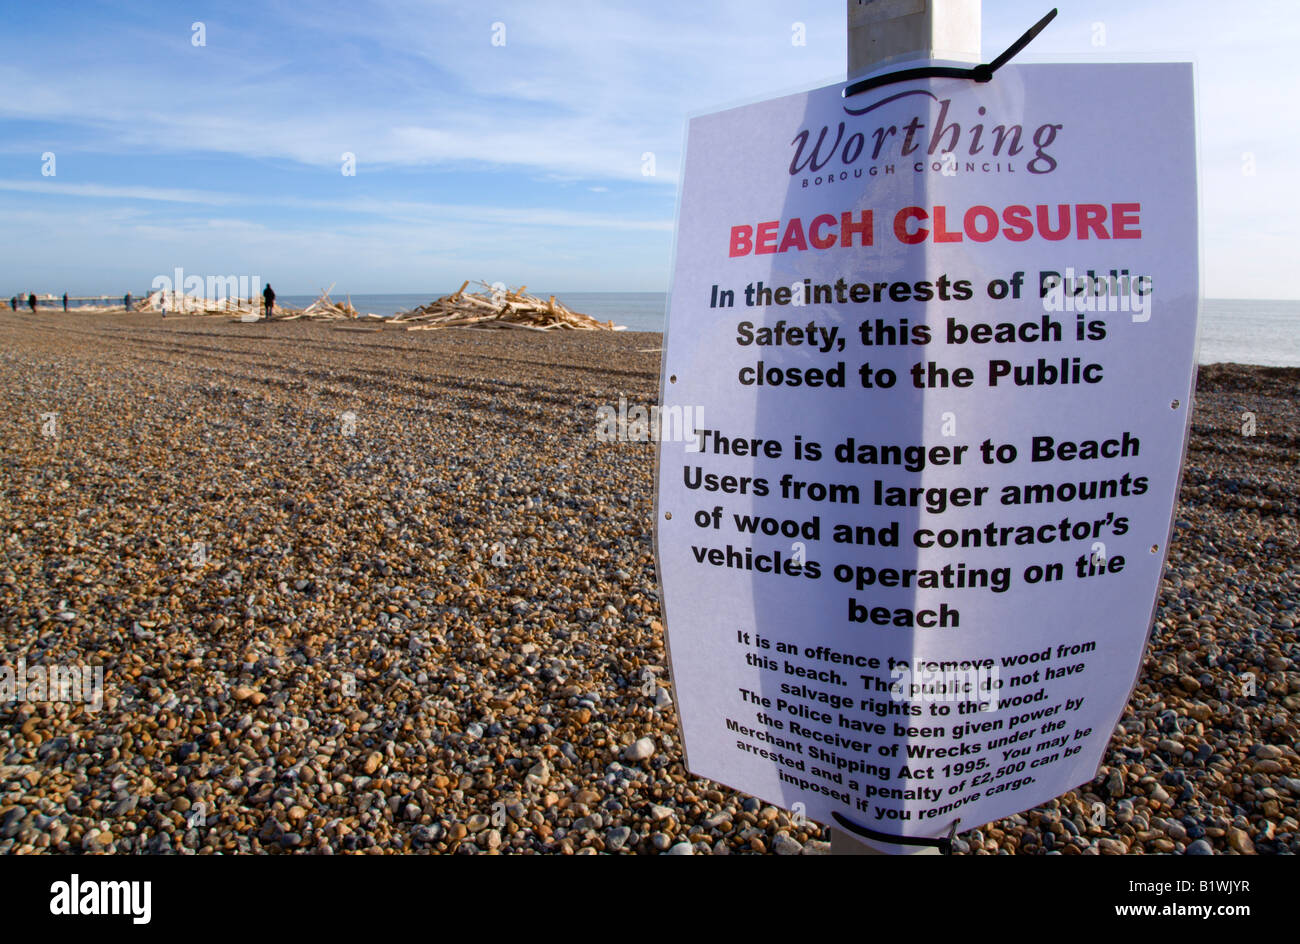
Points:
x=942, y=334
x=889, y=31
x=881, y=32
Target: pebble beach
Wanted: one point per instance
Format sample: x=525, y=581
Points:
x=387, y=591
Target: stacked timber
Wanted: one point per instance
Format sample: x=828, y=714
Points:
x=178, y=303
x=322, y=309
x=497, y=308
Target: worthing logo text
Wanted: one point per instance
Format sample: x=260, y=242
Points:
x=970, y=142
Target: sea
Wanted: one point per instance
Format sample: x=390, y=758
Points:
x=1246, y=331
x=1236, y=331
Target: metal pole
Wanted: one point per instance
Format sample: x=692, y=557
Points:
x=886, y=31
x=883, y=32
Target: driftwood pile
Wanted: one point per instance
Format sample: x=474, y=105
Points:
x=178, y=303
x=490, y=307
x=322, y=309
x=497, y=308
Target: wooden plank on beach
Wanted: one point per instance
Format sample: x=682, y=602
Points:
x=488, y=309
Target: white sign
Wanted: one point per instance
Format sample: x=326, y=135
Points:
x=943, y=337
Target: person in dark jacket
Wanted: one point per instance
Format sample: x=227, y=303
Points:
x=13, y=303
x=126, y=301
x=65, y=302
x=268, y=299
x=31, y=301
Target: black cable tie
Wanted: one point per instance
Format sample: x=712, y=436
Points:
x=980, y=73
x=943, y=845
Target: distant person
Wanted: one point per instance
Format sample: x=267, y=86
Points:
x=65, y=302
x=268, y=299
x=13, y=303
x=126, y=301
x=31, y=301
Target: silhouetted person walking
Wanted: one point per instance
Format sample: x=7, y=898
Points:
x=13, y=303
x=126, y=301
x=65, y=302
x=268, y=299
x=31, y=301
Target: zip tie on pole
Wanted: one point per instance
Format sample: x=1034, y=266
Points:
x=980, y=73
x=943, y=845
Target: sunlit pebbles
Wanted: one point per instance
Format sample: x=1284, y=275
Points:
x=436, y=628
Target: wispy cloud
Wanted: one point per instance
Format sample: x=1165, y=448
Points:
x=582, y=90
x=409, y=211
x=112, y=192
x=526, y=155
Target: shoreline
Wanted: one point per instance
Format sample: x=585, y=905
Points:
x=1233, y=331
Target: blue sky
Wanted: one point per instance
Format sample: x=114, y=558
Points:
x=520, y=162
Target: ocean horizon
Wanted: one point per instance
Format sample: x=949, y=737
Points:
x=1233, y=331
